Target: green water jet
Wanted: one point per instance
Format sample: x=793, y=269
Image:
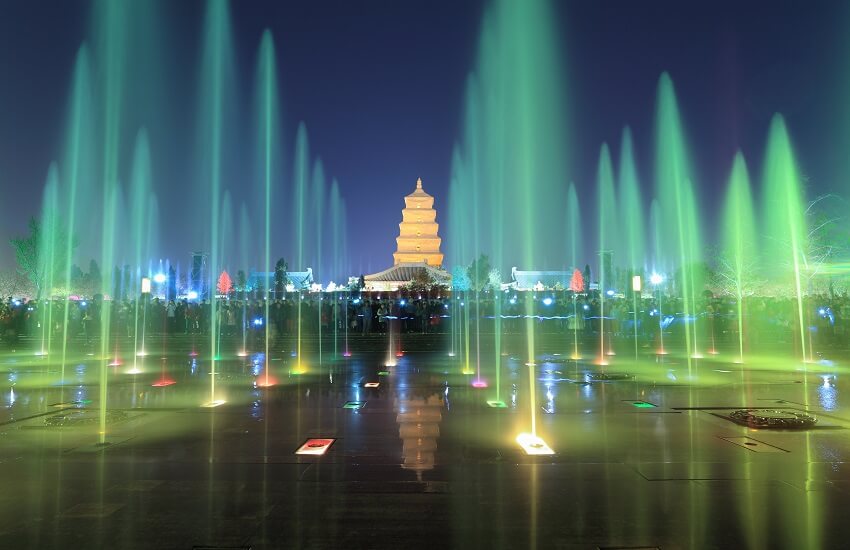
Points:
x=739, y=231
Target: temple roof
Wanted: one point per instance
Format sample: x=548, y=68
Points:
x=406, y=272
x=299, y=279
x=528, y=279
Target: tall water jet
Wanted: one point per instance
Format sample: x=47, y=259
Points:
x=736, y=261
x=606, y=236
x=575, y=240
x=657, y=277
x=339, y=266
x=50, y=241
x=111, y=23
x=219, y=292
x=631, y=220
x=317, y=208
x=140, y=196
x=301, y=179
x=78, y=173
x=472, y=170
x=269, y=174
x=214, y=94
x=459, y=248
x=784, y=217
x=680, y=238
x=245, y=260
x=574, y=232
x=520, y=143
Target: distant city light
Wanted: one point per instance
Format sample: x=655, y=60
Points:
x=192, y=295
x=159, y=278
x=402, y=302
x=258, y=322
x=656, y=278
x=586, y=307
x=547, y=301
x=609, y=292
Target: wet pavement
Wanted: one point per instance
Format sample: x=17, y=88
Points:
x=650, y=460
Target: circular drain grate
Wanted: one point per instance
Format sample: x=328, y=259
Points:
x=83, y=417
x=607, y=376
x=773, y=418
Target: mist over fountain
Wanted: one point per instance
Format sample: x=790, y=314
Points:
x=564, y=298
x=513, y=150
x=511, y=201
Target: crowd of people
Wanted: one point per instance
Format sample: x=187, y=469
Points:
x=765, y=318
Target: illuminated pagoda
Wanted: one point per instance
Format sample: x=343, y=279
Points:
x=417, y=240
x=417, y=246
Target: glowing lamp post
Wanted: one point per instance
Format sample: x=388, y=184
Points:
x=146, y=285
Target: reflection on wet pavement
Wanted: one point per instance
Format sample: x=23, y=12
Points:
x=656, y=457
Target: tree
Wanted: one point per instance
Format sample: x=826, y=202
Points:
x=127, y=281
x=479, y=273
x=31, y=253
x=76, y=273
x=171, y=288
x=14, y=285
x=95, y=278
x=827, y=237
x=494, y=278
x=422, y=282
x=281, y=279
x=117, y=288
x=86, y=284
x=82, y=283
x=241, y=283
x=577, y=281
x=460, y=279
x=736, y=278
x=699, y=273
x=225, y=284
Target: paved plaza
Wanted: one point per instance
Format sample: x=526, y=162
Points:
x=649, y=460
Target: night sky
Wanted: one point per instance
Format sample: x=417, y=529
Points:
x=379, y=85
